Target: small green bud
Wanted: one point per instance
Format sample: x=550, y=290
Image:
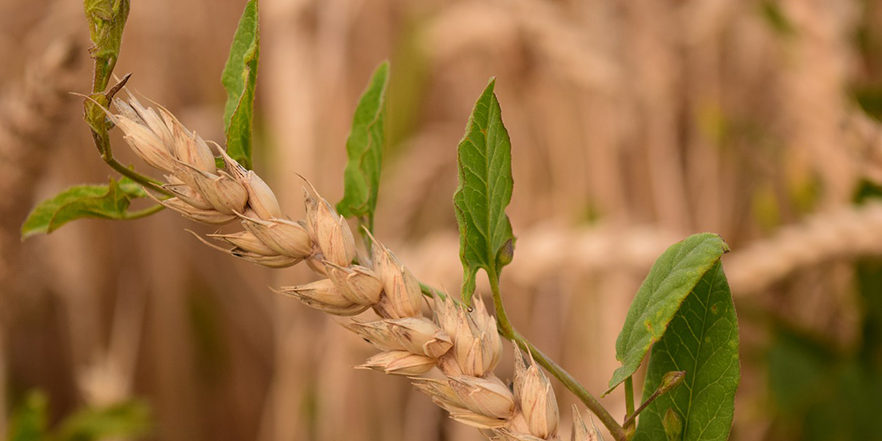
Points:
x=505, y=254
x=671, y=380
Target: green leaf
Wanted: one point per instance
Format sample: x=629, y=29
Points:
x=124, y=420
x=96, y=201
x=671, y=279
x=702, y=339
x=239, y=78
x=484, y=164
x=364, y=148
x=28, y=421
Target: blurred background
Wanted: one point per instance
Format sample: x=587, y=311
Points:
x=633, y=124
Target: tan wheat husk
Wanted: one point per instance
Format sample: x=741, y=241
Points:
x=461, y=345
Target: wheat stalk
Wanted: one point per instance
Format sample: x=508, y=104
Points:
x=27, y=107
x=449, y=353
x=833, y=235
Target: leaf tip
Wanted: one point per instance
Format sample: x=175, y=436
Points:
x=491, y=85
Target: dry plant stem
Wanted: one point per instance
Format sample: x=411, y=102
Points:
x=507, y=330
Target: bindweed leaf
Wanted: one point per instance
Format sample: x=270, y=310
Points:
x=701, y=339
x=239, y=78
x=83, y=201
x=484, y=190
x=671, y=279
x=364, y=148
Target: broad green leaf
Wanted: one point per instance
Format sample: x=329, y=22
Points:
x=28, y=421
x=239, y=78
x=670, y=280
x=118, y=421
x=701, y=339
x=96, y=201
x=484, y=190
x=364, y=148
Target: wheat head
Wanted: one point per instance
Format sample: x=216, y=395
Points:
x=449, y=352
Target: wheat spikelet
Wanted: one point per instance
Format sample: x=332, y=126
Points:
x=450, y=354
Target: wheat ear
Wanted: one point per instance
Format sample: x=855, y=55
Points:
x=449, y=354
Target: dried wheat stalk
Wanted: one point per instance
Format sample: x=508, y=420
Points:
x=450, y=355
x=837, y=234
x=833, y=235
x=26, y=109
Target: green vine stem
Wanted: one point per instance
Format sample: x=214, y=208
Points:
x=144, y=213
x=669, y=381
x=629, y=408
x=507, y=330
x=107, y=18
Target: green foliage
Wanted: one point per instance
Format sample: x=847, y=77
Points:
x=819, y=395
x=701, y=339
x=28, y=421
x=869, y=98
x=239, y=79
x=775, y=17
x=123, y=420
x=127, y=419
x=484, y=190
x=823, y=393
x=83, y=201
x=673, y=276
x=364, y=148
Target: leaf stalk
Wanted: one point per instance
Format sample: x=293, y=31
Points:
x=671, y=380
x=629, y=407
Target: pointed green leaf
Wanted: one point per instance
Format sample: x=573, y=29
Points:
x=239, y=78
x=364, y=148
x=96, y=201
x=702, y=339
x=671, y=279
x=484, y=190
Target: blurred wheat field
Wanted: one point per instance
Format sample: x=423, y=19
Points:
x=633, y=124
